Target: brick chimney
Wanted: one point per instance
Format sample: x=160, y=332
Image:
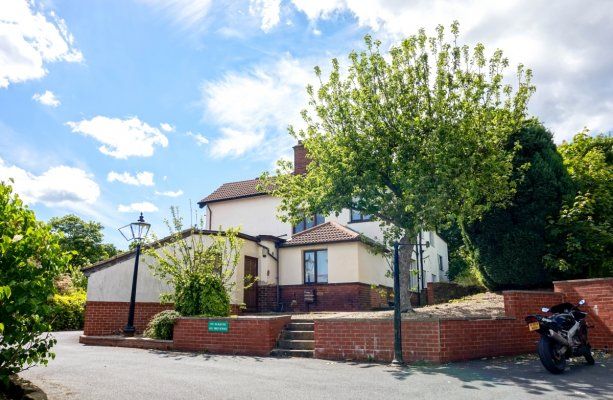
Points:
x=301, y=159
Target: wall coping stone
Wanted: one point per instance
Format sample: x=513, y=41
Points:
x=424, y=319
x=240, y=317
x=570, y=282
x=531, y=291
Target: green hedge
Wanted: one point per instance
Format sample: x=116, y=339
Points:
x=67, y=311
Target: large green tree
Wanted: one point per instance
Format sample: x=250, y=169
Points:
x=416, y=138
x=83, y=238
x=30, y=259
x=582, y=236
x=507, y=245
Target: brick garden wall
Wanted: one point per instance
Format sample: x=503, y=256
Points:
x=109, y=317
x=444, y=340
x=598, y=295
x=249, y=335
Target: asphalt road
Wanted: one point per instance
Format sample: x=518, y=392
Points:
x=87, y=372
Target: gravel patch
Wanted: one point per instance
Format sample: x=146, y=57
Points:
x=482, y=305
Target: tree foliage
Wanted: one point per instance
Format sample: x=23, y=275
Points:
x=201, y=268
x=31, y=257
x=415, y=138
x=582, y=236
x=83, y=238
x=508, y=244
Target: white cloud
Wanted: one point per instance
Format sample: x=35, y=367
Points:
x=29, y=39
x=268, y=11
x=245, y=105
x=144, y=206
x=167, y=127
x=565, y=43
x=187, y=14
x=121, y=138
x=200, y=139
x=140, y=179
x=170, y=193
x=58, y=186
x=48, y=99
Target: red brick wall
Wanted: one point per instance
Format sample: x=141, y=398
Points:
x=108, y=318
x=330, y=297
x=598, y=296
x=267, y=298
x=463, y=339
x=255, y=336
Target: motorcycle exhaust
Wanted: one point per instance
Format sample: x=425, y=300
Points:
x=559, y=338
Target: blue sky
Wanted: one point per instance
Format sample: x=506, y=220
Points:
x=109, y=107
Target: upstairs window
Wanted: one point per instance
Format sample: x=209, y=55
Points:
x=358, y=216
x=316, y=266
x=308, y=223
x=440, y=262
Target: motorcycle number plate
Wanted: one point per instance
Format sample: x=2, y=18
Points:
x=533, y=326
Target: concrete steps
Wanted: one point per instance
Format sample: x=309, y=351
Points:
x=297, y=340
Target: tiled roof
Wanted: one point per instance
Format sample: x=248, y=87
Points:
x=327, y=232
x=234, y=190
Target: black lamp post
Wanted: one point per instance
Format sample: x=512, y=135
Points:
x=398, y=359
x=136, y=231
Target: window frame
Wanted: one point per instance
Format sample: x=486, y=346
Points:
x=303, y=223
x=441, y=263
x=314, y=251
x=361, y=219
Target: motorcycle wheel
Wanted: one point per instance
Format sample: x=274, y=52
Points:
x=588, y=356
x=547, y=350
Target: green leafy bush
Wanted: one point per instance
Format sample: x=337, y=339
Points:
x=202, y=295
x=67, y=311
x=30, y=260
x=161, y=325
x=201, y=268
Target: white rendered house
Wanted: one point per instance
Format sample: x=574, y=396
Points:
x=325, y=263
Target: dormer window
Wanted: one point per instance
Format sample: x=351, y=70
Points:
x=358, y=216
x=308, y=223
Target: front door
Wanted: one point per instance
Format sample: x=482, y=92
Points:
x=250, y=295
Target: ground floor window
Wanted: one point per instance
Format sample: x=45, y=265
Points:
x=316, y=266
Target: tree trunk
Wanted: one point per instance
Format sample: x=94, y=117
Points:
x=405, y=254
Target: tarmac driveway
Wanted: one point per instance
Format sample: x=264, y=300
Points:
x=88, y=372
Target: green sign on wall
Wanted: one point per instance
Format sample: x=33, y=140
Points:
x=219, y=326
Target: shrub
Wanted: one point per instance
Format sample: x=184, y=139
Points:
x=67, y=311
x=30, y=260
x=200, y=268
x=202, y=295
x=161, y=325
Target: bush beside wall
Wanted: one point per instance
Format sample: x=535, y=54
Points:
x=68, y=310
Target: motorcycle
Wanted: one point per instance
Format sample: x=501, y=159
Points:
x=563, y=335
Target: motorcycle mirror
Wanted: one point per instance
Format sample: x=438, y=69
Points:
x=581, y=302
x=545, y=309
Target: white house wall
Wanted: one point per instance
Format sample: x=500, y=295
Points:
x=255, y=216
x=114, y=283
x=373, y=268
x=342, y=262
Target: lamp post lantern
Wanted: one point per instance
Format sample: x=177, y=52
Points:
x=136, y=231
